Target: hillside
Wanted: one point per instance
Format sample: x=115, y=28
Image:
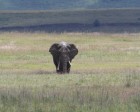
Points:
x=107, y=20
x=66, y=4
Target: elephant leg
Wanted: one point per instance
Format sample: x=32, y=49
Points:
x=68, y=67
x=58, y=67
x=56, y=64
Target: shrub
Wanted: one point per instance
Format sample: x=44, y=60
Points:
x=96, y=23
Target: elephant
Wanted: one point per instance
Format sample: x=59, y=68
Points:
x=62, y=54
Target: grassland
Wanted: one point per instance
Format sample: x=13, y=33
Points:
x=105, y=16
x=105, y=75
x=101, y=20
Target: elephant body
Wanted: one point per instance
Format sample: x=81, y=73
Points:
x=62, y=54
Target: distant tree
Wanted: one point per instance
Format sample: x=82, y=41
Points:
x=96, y=23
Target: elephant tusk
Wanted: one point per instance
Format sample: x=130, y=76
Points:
x=70, y=63
x=58, y=65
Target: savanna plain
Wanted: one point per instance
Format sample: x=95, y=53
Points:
x=105, y=75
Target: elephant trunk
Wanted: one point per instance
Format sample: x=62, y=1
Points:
x=65, y=66
x=65, y=63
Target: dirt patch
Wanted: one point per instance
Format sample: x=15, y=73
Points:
x=131, y=49
x=9, y=46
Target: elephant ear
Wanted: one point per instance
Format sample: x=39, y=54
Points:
x=73, y=51
x=54, y=49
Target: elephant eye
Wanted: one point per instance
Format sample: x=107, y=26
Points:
x=59, y=47
x=68, y=48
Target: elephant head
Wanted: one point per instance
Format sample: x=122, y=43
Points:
x=63, y=53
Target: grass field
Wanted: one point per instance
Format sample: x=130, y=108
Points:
x=105, y=75
x=100, y=20
x=104, y=16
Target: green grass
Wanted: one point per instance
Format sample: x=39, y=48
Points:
x=84, y=93
x=105, y=75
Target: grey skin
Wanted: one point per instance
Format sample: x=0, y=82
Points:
x=62, y=54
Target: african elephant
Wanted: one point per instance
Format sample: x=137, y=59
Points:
x=62, y=54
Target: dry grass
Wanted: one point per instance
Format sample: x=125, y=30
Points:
x=105, y=75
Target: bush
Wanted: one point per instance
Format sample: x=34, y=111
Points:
x=96, y=23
